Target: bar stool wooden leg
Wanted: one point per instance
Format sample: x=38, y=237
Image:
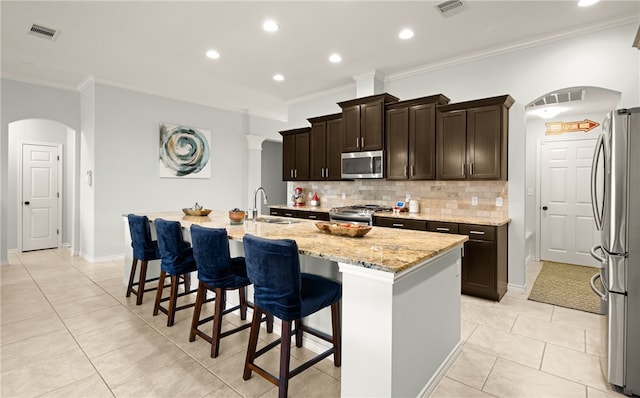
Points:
x=156, y=306
x=202, y=292
x=132, y=276
x=242, y=292
x=142, y=279
x=253, y=342
x=337, y=332
x=298, y=325
x=217, y=321
x=173, y=299
x=285, y=358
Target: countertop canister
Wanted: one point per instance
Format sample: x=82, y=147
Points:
x=414, y=206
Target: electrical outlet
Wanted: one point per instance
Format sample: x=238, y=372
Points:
x=474, y=201
x=344, y=196
x=530, y=191
x=498, y=202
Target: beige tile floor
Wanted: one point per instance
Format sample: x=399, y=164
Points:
x=67, y=330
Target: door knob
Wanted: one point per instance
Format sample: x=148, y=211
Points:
x=544, y=208
x=27, y=203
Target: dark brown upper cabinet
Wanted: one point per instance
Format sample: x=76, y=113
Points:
x=295, y=154
x=472, y=139
x=326, y=147
x=363, y=122
x=410, y=138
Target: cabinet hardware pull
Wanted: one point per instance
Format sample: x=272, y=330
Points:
x=357, y=142
x=362, y=143
x=397, y=225
x=313, y=217
x=288, y=214
x=326, y=172
x=463, y=168
x=471, y=168
x=405, y=171
x=295, y=173
x=291, y=173
x=476, y=232
x=442, y=229
x=413, y=169
x=322, y=172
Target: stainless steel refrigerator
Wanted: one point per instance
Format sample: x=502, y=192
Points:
x=615, y=191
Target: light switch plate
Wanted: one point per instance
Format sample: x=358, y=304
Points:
x=474, y=201
x=498, y=202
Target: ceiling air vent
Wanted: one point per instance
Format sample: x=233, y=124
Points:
x=43, y=32
x=560, y=98
x=451, y=7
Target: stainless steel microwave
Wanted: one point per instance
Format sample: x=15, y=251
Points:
x=363, y=164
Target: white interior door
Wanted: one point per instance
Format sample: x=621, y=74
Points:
x=567, y=227
x=39, y=197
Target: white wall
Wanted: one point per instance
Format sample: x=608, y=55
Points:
x=41, y=131
x=525, y=74
x=28, y=101
x=126, y=161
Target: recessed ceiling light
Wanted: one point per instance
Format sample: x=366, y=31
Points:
x=278, y=77
x=587, y=3
x=213, y=54
x=405, y=34
x=270, y=25
x=335, y=58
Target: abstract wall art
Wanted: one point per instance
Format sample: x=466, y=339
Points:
x=184, y=152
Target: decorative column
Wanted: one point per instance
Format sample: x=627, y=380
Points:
x=254, y=166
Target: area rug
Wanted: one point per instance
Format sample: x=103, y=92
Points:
x=567, y=285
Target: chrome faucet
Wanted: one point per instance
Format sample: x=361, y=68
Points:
x=255, y=200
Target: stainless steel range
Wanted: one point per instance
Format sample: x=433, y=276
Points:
x=356, y=214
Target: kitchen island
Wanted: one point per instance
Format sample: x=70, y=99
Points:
x=400, y=304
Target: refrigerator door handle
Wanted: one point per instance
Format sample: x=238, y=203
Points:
x=592, y=282
x=594, y=254
x=597, y=213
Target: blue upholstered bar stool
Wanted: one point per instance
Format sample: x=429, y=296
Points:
x=217, y=272
x=280, y=289
x=145, y=249
x=176, y=262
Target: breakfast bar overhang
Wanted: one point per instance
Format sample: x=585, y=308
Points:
x=400, y=300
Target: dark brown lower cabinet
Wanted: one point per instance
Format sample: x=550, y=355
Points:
x=484, y=265
x=306, y=214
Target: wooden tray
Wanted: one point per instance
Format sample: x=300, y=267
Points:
x=192, y=212
x=343, y=229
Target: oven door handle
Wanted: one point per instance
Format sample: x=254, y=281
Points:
x=597, y=291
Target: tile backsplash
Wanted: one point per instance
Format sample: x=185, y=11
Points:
x=453, y=198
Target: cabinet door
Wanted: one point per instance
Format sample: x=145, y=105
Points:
x=288, y=157
x=479, y=269
x=351, y=129
x=422, y=142
x=451, y=145
x=397, y=143
x=484, y=142
x=318, y=151
x=302, y=156
x=371, y=126
x=333, y=150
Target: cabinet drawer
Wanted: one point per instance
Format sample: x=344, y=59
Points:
x=392, y=222
x=478, y=232
x=282, y=212
x=443, y=227
x=313, y=215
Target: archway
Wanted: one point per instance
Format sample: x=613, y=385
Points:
x=42, y=131
x=573, y=104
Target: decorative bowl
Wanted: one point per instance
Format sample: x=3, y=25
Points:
x=236, y=217
x=194, y=212
x=343, y=229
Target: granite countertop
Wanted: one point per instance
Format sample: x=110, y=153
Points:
x=384, y=249
x=491, y=221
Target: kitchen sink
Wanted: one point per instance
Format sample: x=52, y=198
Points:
x=277, y=220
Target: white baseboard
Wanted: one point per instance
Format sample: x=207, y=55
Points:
x=512, y=287
x=117, y=257
x=431, y=385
